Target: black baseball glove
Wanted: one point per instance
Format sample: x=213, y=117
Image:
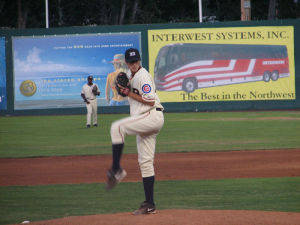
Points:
x=95, y=90
x=122, y=84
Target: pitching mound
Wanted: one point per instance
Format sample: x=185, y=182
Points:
x=184, y=217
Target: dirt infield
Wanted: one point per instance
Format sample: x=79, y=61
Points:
x=184, y=217
x=169, y=166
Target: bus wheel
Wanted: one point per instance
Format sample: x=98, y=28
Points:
x=189, y=85
x=275, y=75
x=267, y=76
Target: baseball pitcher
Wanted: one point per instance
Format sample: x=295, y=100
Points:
x=145, y=121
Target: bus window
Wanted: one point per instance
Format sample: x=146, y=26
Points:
x=160, y=62
x=161, y=58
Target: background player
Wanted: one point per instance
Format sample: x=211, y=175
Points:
x=145, y=121
x=120, y=66
x=88, y=93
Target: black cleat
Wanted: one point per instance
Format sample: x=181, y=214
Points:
x=145, y=208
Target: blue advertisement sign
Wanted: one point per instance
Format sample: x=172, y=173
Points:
x=49, y=71
x=3, y=98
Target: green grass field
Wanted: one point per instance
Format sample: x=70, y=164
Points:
x=34, y=136
x=37, y=203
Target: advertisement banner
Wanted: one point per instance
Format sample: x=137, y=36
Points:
x=223, y=64
x=3, y=98
x=49, y=71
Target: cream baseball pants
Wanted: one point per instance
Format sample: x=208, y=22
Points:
x=91, y=112
x=146, y=127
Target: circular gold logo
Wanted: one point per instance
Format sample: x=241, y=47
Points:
x=28, y=88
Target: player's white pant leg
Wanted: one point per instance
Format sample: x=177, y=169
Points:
x=120, y=128
x=94, y=111
x=145, y=124
x=88, y=114
x=146, y=150
x=116, y=136
x=146, y=127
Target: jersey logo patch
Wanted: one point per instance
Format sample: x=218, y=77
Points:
x=146, y=88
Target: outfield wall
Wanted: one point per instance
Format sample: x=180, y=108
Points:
x=44, y=56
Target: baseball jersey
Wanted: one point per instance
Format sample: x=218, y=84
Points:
x=142, y=84
x=87, y=91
